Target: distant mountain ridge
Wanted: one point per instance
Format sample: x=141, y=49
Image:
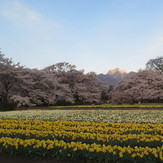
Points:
x=116, y=70
x=114, y=76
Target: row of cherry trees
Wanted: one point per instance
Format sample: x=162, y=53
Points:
x=59, y=84
x=62, y=84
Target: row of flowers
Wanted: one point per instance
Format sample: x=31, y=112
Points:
x=91, y=127
x=107, y=139
x=79, y=150
x=101, y=142
x=121, y=116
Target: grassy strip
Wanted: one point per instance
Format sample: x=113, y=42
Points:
x=100, y=107
x=148, y=106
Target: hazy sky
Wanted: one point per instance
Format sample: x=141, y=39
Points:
x=94, y=35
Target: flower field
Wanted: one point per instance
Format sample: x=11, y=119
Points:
x=91, y=135
x=97, y=142
x=124, y=116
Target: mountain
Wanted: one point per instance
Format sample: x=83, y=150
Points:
x=106, y=78
x=129, y=75
x=117, y=74
x=114, y=76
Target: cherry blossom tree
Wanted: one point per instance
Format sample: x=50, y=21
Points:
x=8, y=79
x=85, y=88
x=43, y=88
x=145, y=86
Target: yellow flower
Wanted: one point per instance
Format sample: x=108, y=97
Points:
x=50, y=146
x=75, y=149
x=91, y=149
x=120, y=154
x=161, y=155
x=114, y=153
x=133, y=155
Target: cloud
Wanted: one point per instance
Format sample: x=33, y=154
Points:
x=26, y=17
x=37, y=36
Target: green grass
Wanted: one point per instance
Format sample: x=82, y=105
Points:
x=112, y=106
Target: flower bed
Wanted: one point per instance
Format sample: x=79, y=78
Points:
x=123, y=116
x=72, y=140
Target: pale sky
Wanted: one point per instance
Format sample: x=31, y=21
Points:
x=94, y=35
